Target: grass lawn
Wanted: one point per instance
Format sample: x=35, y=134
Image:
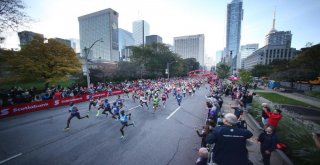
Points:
x=313, y=94
x=276, y=98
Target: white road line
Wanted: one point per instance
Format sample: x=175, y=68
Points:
x=134, y=108
x=173, y=112
x=12, y=157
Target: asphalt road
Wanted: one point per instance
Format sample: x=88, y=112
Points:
x=166, y=137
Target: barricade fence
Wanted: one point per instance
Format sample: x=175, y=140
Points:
x=19, y=109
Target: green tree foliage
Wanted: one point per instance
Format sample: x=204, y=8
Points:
x=12, y=15
x=304, y=67
x=223, y=71
x=152, y=60
x=261, y=70
x=190, y=64
x=308, y=59
x=245, y=76
x=279, y=65
x=5, y=68
x=50, y=61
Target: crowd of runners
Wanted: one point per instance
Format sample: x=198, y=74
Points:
x=151, y=95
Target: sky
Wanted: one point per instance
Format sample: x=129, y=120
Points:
x=173, y=18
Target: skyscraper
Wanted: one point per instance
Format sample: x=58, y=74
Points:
x=153, y=39
x=100, y=25
x=278, y=47
x=125, y=40
x=190, y=47
x=245, y=51
x=140, y=30
x=234, y=18
x=26, y=37
x=275, y=37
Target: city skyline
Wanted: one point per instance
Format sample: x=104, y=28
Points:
x=170, y=19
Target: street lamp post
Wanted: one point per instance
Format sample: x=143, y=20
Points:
x=168, y=65
x=86, y=52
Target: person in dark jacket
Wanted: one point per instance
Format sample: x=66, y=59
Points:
x=264, y=116
x=268, y=142
x=204, y=133
x=230, y=142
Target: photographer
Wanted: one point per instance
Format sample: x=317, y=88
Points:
x=230, y=142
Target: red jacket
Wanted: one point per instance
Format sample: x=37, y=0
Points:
x=274, y=119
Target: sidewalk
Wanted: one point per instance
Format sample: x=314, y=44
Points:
x=307, y=99
x=253, y=146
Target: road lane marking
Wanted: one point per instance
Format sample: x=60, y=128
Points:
x=173, y=112
x=134, y=108
x=12, y=157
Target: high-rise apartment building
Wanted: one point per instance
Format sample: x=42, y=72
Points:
x=125, y=40
x=26, y=37
x=275, y=37
x=153, y=39
x=190, y=47
x=100, y=25
x=245, y=51
x=234, y=18
x=140, y=30
x=219, y=56
x=278, y=46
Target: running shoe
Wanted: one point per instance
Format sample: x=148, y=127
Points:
x=122, y=137
x=87, y=116
x=66, y=129
x=133, y=124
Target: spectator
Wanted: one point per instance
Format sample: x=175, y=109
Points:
x=204, y=133
x=203, y=156
x=268, y=142
x=274, y=118
x=264, y=116
x=230, y=142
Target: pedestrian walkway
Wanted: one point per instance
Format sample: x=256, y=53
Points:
x=306, y=99
x=253, y=146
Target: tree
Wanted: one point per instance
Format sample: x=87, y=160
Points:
x=278, y=65
x=190, y=64
x=261, y=70
x=245, y=76
x=223, y=71
x=50, y=61
x=152, y=60
x=309, y=59
x=12, y=15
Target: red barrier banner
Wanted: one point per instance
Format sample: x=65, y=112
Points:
x=46, y=104
x=68, y=100
x=25, y=108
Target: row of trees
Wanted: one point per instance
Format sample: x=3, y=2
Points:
x=54, y=61
x=149, y=61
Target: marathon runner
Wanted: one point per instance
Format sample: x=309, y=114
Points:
x=124, y=122
x=74, y=112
